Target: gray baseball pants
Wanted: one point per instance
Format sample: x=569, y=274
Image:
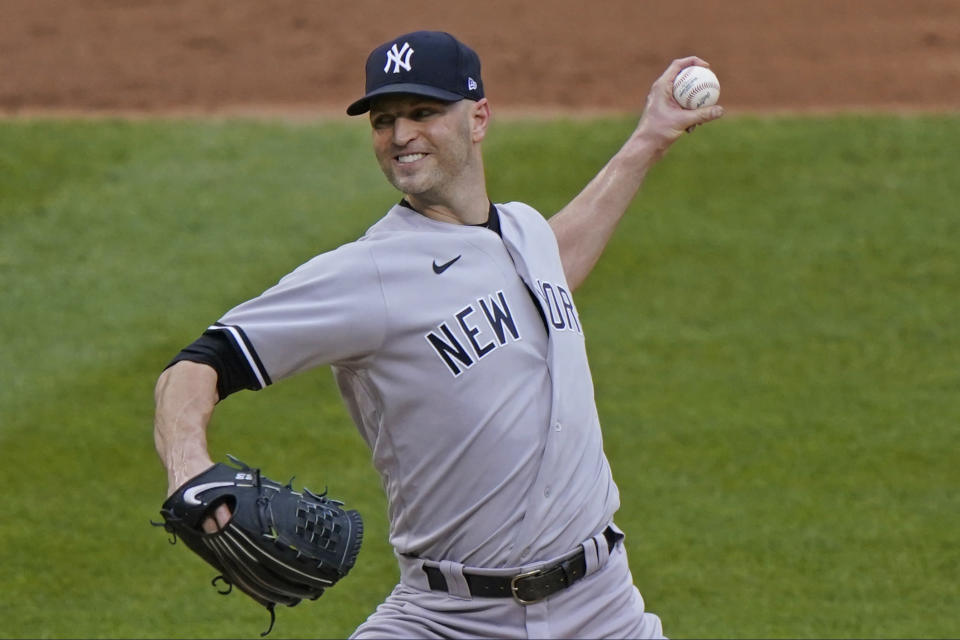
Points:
x=603, y=604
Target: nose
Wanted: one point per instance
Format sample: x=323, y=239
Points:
x=404, y=130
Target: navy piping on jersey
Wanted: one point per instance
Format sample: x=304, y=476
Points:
x=493, y=221
x=229, y=352
x=243, y=343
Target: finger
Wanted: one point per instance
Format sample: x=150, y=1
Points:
x=708, y=114
x=218, y=520
x=223, y=515
x=210, y=526
x=704, y=115
x=679, y=65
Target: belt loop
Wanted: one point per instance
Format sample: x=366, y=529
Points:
x=590, y=555
x=456, y=582
x=603, y=548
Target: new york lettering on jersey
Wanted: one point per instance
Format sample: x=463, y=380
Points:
x=459, y=347
x=558, y=306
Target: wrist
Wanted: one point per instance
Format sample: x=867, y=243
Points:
x=644, y=148
x=184, y=470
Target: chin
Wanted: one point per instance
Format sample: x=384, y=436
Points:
x=411, y=186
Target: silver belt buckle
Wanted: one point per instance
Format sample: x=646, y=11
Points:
x=513, y=586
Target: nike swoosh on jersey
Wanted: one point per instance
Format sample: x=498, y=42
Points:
x=440, y=268
x=190, y=495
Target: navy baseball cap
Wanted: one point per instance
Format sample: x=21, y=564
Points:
x=426, y=63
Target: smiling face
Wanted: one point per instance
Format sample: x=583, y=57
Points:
x=429, y=149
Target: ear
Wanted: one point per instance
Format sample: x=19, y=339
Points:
x=479, y=119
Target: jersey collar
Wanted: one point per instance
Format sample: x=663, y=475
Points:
x=492, y=223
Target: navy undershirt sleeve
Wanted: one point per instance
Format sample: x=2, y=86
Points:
x=217, y=349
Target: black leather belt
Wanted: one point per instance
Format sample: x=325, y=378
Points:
x=528, y=587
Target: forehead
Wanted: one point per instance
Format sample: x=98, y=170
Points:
x=398, y=102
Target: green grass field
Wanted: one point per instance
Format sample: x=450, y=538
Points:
x=773, y=337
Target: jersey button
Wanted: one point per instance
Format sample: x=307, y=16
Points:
x=546, y=492
x=557, y=427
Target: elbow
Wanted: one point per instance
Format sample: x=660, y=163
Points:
x=185, y=396
x=162, y=382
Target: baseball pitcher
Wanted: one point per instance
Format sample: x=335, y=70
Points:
x=453, y=334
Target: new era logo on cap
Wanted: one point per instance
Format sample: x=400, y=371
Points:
x=427, y=63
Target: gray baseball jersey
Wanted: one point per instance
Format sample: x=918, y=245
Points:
x=478, y=407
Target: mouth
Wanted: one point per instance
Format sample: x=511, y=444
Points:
x=409, y=158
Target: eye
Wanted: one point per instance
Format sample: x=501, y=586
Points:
x=382, y=121
x=422, y=113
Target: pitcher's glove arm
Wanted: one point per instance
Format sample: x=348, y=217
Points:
x=279, y=547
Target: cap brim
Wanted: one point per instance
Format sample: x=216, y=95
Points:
x=363, y=104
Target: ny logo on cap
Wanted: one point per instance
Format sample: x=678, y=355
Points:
x=399, y=58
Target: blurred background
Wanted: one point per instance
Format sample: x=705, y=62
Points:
x=153, y=56
x=772, y=330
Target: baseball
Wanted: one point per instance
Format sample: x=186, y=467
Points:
x=696, y=87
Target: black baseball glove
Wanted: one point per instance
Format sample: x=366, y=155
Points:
x=280, y=546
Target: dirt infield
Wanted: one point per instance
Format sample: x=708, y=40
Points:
x=306, y=56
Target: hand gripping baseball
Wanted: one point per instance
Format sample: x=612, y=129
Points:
x=664, y=120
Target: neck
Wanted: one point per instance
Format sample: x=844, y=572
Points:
x=474, y=212
x=461, y=204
